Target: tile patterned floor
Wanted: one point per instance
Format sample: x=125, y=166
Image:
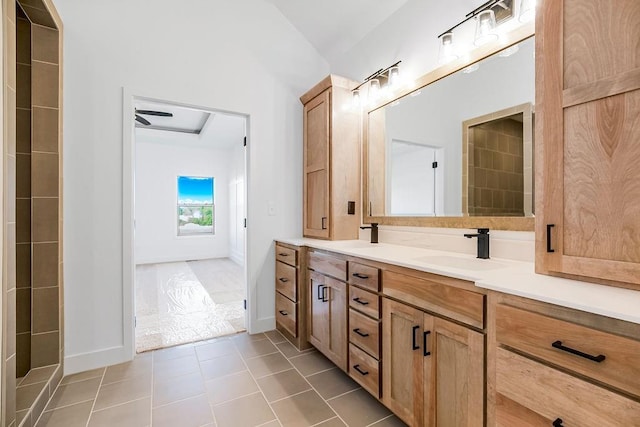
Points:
x=181, y=302
x=239, y=381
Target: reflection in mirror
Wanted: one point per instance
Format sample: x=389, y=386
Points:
x=415, y=145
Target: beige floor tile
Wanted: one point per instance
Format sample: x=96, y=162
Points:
x=282, y=385
x=132, y=414
x=332, y=383
x=70, y=394
x=139, y=366
x=290, y=351
x=275, y=336
x=221, y=366
x=215, y=349
x=255, y=348
x=311, y=363
x=123, y=391
x=178, y=388
x=69, y=416
x=38, y=375
x=246, y=337
x=333, y=422
x=274, y=423
x=230, y=387
x=173, y=352
x=171, y=368
x=27, y=394
x=302, y=410
x=193, y=412
x=81, y=376
x=391, y=421
x=248, y=411
x=20, y=415
x=268, y=365
x=358, y=408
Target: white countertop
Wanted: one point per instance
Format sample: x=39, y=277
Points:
x=511, y=277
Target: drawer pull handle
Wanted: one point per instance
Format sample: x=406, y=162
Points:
x=359, y=301
x=283, y=279
x=357, y=368
x=324, y=222
x=320, y=293
x=360, y=275
x=284, y=313
x=558, y=344
x=325, y=298
x=549, y=227
x=283, y=254
x=425, y=334
x=362, y=334
x=413, y=338
x=557, y=422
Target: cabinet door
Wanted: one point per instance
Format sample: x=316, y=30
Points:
x=453, y=374
x=402, y=361
x=318, y=311
x=337, y=344
x=316, y=165
x=587, y=133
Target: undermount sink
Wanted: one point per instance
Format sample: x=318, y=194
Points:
x=461, y=263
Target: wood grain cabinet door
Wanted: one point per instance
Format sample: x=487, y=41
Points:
x=318, y=311
x=317, y=117
x=338, y=340
x=453, y=374
x=587, y=139
x=402, y=366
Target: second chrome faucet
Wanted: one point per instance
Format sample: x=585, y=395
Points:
x=483, y=242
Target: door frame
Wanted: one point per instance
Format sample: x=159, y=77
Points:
x=128, y=208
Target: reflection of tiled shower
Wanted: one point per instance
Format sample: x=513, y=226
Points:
x=31, y=255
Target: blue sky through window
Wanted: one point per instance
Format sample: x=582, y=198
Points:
x=195, y=190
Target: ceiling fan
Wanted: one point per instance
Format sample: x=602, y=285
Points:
x=146, y=122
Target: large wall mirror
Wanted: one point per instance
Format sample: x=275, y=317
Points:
x=457, y=151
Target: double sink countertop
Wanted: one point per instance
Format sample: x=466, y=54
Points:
x=502, y=275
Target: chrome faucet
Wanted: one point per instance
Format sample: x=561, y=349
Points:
x=374, y=231
x=483, y=242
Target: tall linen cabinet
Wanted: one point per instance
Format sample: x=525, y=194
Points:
x=331, y=161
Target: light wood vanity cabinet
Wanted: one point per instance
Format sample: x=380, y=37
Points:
x=331, y=161
x=550, y=365
x=327, y=306
x=587, y=132
x=433, y=368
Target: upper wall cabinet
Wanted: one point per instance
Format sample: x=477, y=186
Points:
x=331, y=161
x=588, y=140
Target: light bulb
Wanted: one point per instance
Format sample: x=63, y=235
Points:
x=394, y=77
x=355, y=98
x=374, y=90
x=485, y=27
x=527, y=10
x=447, y=49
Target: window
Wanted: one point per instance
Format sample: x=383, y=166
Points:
x=195, y=205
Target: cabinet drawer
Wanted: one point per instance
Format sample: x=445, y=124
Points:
x=287, y=255
x=536, y=334
x=550, y=394
x=286, y=314
x=365, y=276
x=365, y=333
x=364, y=301
x=450, y=301
x=365, y=370
x=286, y=281
x=328, y=264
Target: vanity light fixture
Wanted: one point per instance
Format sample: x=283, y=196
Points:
x=374, y=90
x=447, y=48
x=355, y=98
x=382, y=82
x=485, y=28
x=527, y=10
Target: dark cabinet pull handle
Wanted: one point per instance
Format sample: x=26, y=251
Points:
x=549, y=227
x=320, y=293
x=283, y=279
x=325, y=298
x=283, y=254
x=357, y=368
x=360, y=275
x=324, y=222
x=557, y=422
x=284, y=313
x=425, y=334
x=357, y=331
x=558, y=344
x=359, y=301
x=413, y=338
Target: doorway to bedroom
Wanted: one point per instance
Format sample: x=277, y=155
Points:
x=189, y=231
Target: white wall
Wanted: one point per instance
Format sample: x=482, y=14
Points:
x=158, y=165
x=237, y=210
x=235, y=56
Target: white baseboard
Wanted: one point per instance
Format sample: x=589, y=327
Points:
x=263, y=325
x=161, y=259
x=237, y=257
x=96, y=359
